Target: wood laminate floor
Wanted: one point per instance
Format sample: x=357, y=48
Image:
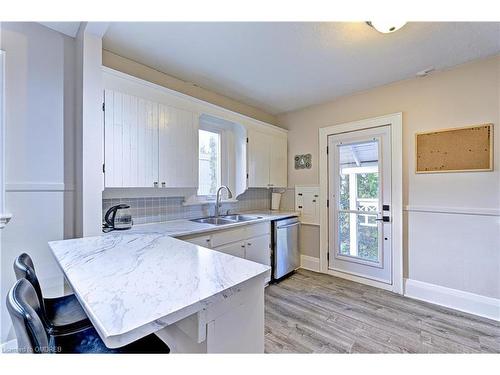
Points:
x=316, y=313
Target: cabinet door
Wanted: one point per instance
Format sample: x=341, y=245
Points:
x=178, y=148
x=203, y=240
x=258, y=249
x=130, y=141
x=258, y=159
x=236, y=249
x=278, y=161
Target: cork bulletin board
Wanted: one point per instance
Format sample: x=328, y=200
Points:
x=455, y=150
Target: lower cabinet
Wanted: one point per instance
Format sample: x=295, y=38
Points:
x=236, y=249
x=258, y=249
x=252, y=242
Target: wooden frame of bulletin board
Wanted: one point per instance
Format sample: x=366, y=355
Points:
x=465, y=149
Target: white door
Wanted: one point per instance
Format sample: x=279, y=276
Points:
x=359, y=168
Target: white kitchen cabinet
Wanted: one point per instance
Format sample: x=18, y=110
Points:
x=130, y=141
x=257, y=249
x=178, y=147
x=258, y=159
x=252, y=242
x=236, y=249
x=203, y=240
x=229, y=235
x=148, y=144
x=277, y=161
x=267, y=159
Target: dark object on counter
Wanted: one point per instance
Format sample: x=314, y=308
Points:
x=25, y=312
x=61, y=315
x=118, y=218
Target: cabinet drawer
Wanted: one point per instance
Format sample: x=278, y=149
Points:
x=227, y=236
x=259, y=229
x=203, y=240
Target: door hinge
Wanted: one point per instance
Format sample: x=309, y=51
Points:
x=103, y=168
x=328, y=257
x=327, y=150
x=103, y=107
x=247, y=176
x=247, y=139
x=328, y=203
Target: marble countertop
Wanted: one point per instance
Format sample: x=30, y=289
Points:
x=135, y=282
x=185, y=227
x=132, y=284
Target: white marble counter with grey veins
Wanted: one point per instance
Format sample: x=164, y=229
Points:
x=132, y=283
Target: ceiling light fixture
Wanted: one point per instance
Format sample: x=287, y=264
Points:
x=386, y=27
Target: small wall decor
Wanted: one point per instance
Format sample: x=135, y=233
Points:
x=303, y=161
x=455, y=150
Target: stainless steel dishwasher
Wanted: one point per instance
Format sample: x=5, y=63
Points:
x=285, y=240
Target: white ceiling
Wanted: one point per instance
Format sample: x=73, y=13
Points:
x=280, y=67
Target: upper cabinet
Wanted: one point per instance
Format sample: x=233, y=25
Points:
x=130, y=141
x=267, y=159
x=148, y=144
x=151, y=139
x=178, y=147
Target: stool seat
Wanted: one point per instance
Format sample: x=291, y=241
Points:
x=32, y=337
x=88, y=341
x=64, y=310
x=61, y=315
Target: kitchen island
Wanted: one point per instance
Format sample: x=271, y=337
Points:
x=135, y=283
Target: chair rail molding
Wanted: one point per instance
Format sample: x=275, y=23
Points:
x=4, y=216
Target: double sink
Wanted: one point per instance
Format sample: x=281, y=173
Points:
x=226, y=219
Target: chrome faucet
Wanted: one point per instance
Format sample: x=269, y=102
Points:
x=217, y=200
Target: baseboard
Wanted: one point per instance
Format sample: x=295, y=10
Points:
x=455, y=299
x=309, y=263
x=9, y=347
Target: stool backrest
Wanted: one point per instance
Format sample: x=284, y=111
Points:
x=24, y=310
x=24, y=269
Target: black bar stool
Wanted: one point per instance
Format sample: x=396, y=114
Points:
x=24, y=309
x=59, y=315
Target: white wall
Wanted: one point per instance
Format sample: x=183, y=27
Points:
x=89, y=124
x=39, y=151
x=456, y=250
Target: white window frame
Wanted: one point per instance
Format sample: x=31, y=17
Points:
x=223, y=155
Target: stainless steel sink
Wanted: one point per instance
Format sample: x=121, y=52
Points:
x=227, y=219
x=238, y=218
x=213, y=220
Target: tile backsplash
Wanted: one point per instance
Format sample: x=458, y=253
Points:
x=157, y=209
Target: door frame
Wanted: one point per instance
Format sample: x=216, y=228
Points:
x=395, y=121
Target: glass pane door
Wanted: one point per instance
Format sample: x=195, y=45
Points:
x=358, y=201
x=359, y=225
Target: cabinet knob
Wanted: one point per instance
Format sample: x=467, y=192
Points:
x=242, y=245
x=163, y=184
x=155, y=184
x=249, y=244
